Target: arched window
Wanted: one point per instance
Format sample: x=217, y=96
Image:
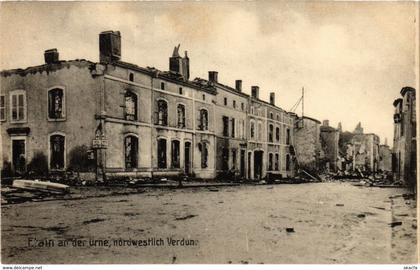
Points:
x=56, y=103
x=277, y=134
x=162, y=112
x=175, y=157
x=57, y=152
x=181, y=115
x=18, y=106
x=131, y=146
x=130, y=106
x=271, y=116
x=270, y=161
x=161, y=153
x=204, y=155
x=204, y=120
x=270, y=133
x=276, y=162
x=287, y=136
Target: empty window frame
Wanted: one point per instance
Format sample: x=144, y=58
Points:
x=161, y=153
x=203, y=120
x=204, y=155
x=57, y=152
x=225, y=120
x=277, y=134
x=162, y=113
x=270, y=133
x=180, y=116
x=130, y=106
x=175, y=154
x=56, y=103
x=131, y=145
x=232, y=126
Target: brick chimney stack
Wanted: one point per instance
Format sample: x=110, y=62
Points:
x=255, y=91
x=213, y=76
x=109, y=46
x=238, y=85
x=326, y=123
x=51, y=56
x=273, y=98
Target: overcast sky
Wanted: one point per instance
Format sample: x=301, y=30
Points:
x=352, y=58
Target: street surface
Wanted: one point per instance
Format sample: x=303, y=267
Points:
x=304, y=223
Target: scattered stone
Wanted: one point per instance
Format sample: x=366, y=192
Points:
x=414, y=226
x=361, y=215
x=395, y=223
x=290, y=230
x=186, y=217
x=339, y=204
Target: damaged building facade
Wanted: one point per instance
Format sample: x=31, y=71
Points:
x=404, y=152
x=365, y=150
x=329, y=137
x=133, y=121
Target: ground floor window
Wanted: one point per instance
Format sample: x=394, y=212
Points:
x=276, y=162
x=204, y=155
x=225, y=159
x=161, y=153
x=57, y=152
x=175, y=154
x=287, y=162
x=131, y=151
x=270, y=161
x=234, y=159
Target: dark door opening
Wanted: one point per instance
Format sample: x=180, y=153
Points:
x=18, y=156
x=249, y=165
x=242, y=168
x=57, y=152
x=187, y=158
x=131, y=152
x=258, y=164
x=161, y=154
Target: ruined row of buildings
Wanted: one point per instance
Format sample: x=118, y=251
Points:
x=404, y=151
x=119, y=119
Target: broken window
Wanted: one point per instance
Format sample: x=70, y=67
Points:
x=57, y=152
x=242, y=106
x=225, y=101
x=131, y=151
x=287, y=136
x=277, y=134
x=2, y=108
x=276, y=162
x=180, y=91
x=252, y=130
x=162, y=85
x=270, y=161
x=204, y=155
x=175, y=154
x=225, y=126
x=131, y=77
x=225, y=159
x=204, y=120
x=55, y=103
x=18, y=105
x=234, y=103
x=161, y=153
x=234, y=159
x=232, y=127
x=181, y=116
x=162, y=113
x=270, y=133
x=130, y=106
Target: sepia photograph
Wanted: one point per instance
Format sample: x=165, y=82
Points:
x=209, y=132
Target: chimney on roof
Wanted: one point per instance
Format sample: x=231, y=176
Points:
x=238, y=85
x=178, y=64
x=213, y=76
x=326, y=123
x=51, y=56
x=109, y=46
x=273, y=98
x=255, y=91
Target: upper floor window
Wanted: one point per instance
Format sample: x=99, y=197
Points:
x=204, y=120
x=204, y=155
x=180, y=91
x=277, y=134
x=225, y=101
x=278, y=117
x=162, y=85
x=225, y=126
x=162, y=113
x=270, y=133
x=242, y=106
x=18, y=106
x=234, y=104
x=288, y=136
x=56, y=103
x=260, y=130
x=252, y=130
x=181, y=116
x=204, y=97
x=130, y=102
x=131, y=77
x=232, y=127
x=271, y=116
x=2, y=108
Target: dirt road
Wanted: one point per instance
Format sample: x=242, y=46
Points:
x=328, y=223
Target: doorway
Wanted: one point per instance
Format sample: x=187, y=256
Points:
x=187, y=158
x=57, y=152
x=242, y=169
x=19, y=156
x=258, y=164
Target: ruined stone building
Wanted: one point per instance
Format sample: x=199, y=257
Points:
x=138, y=122
x=329, y=137
x=365, y=150
x=404, y=152
x=307, y=142
x=385, y=158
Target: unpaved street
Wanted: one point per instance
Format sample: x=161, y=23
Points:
x=332, y=223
